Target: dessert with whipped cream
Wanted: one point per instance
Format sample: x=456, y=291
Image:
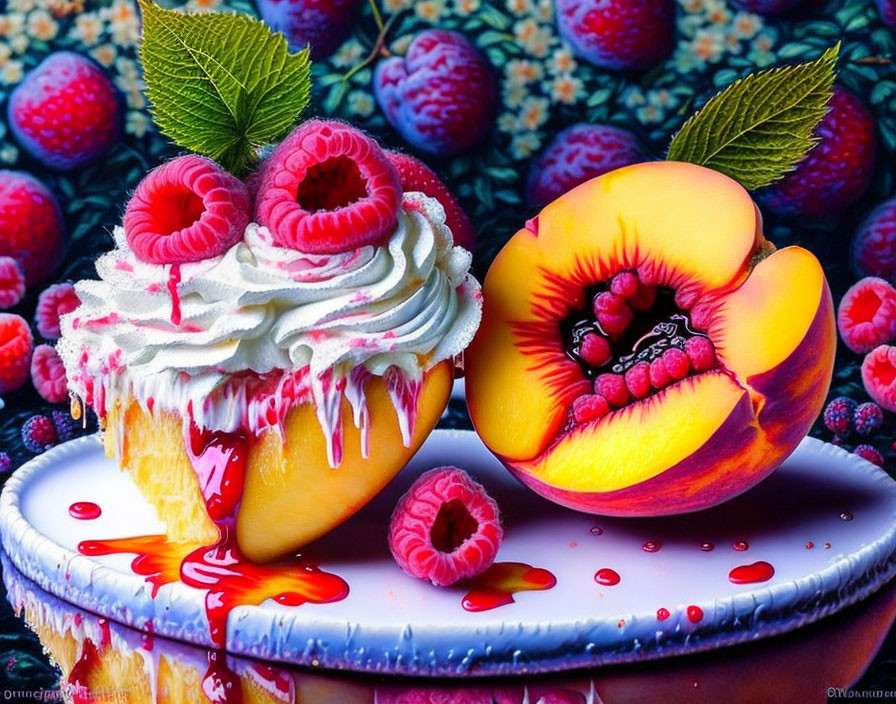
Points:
x=267, y=369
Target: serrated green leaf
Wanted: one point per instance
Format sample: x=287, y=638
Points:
x=760, y=127
x=221, y=85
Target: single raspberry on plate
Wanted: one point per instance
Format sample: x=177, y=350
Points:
x=417, y=176
x=879, y=376
x=577, y=154
x=186, y=210
x=15, y=352
x=53, y=302
x=870, y=453
x=31, y=223
x=328, y=188
x=48, y=374
x=867, y=418
x=874, y=244
x=65, y=425
x=441, y=96
x=836, y=171
x=445, y=528
x=838, y=415
x=66, y=111
x=12, y=282
x=618, y=34
x=39, y=434
x=866, y=316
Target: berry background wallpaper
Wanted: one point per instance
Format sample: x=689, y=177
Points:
x=536, y=106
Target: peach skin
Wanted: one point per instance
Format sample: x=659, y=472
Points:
x=644, y=350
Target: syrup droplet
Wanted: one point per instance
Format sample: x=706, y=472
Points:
x=760, y=571
x=809, y=545
x=173, y=281
x=827, y=546
x=620, y=623
x=84, y=510
x=846, y=516
x=88, y=662
x=652, y=546
x=606, y=577
x=695, y=614
x=662, y=614
x=707, y=547
x=596, y=530
x=496, y=586
x=741, y=545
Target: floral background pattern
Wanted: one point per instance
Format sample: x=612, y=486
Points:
x=543, y=87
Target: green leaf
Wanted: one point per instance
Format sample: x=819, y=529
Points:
x=760, y=127
x=221, y=85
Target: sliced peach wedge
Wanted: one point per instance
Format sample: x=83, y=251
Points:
x=644, y=350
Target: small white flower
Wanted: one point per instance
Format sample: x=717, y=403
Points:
x=633, y=97
x=533, y=112
x=136, y=123
x=430, y=10
x=689, y=24
x=12, y=72
x=105, y=54
x=545, y=11
x=88, y=28
x=685, y=60
x=360, y=103
x=22, y=5
x=20, y=43
x=649, y=114
x=514, y=94
x=12, y=24
x=507, y=122
x=746, y=25
x=523, y=71
x=9, y=154
x=691, y=5
x=135, y=99
x=466, y=7
x=533, y=37
x=5, y=53
x=708, y=44
x=396, y=5
x=203, y=5
x=524, y=145
x=520, y=7
x=42, y=26
x=566, y=89
x=660, y=98
x=562, y=61
x=348, y=54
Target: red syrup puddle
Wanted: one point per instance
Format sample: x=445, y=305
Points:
x=220, y=684
x=695, y=614
x=652, y=546
x=761, y=571
x=87, y=661
x=84, y=510
x=173, y=281
x=606, y=577
x=741, y=545
x=496, y=586
x=229, y=580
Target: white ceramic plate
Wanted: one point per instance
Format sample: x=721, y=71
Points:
x=393, y=623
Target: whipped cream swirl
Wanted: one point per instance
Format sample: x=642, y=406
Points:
x=175, y=334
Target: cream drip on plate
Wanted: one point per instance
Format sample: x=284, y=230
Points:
x=235, y=341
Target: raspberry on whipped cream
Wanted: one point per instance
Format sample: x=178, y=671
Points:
x=262, y=328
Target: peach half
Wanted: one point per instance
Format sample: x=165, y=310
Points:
x=644, y=350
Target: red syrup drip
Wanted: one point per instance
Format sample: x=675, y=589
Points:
x=173, y=281
x=228, y=579
x=652, y=546
x=809, y=545
x=761, y=571
x=496, y=586
x=695, y=614
x=707, y=547
x=596, y=530
x=220, y=684
x=606, y=577
x=84, y=510
x=741, y=545
x=87, y=661
x=662, y=614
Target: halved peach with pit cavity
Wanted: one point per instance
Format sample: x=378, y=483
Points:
x=644, y=350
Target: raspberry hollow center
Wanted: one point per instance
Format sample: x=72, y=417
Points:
x=180, y=208
x=453, y=525
x=331, y=184
x=631, y=340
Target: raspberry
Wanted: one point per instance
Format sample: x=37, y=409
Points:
x=321, y=25
x=595, y=349
x=441, y=96
x=837, y=171
x=39, y=434
x=31, y=223
x=637, y=379
x=53, y=302
x=12, y=282
x=186, y=210
x=328, y=188
x=65, y=112
x=866, y=317
x=618, y=34
x=15, y=352
x=612, y=387
x=838, y=415
x=589, y=407
x=879, y=376
x=445, y=528
x=417, y=176
x=577, y=154
x=48, y=374
x=868, y=417
x=874, y=244
x=5, y=463
x=625, y=284
x=677, y=363
x=701, y=353
x=659, y=375
x=65, y=425
x=870, y=453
